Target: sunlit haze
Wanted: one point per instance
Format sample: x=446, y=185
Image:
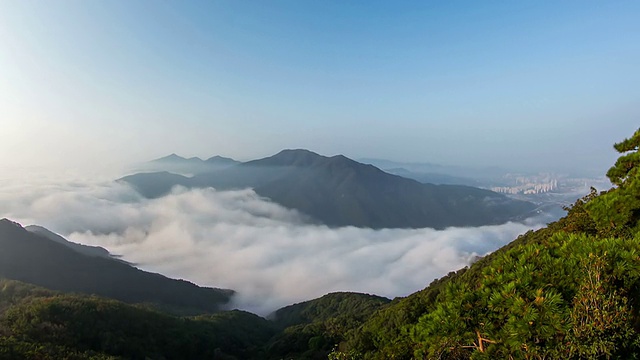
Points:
x=522, y=85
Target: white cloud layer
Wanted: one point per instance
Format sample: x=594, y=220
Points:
x=237, y=240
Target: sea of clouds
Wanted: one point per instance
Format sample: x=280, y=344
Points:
x=269, y=254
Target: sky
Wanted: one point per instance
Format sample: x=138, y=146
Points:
x=520, y=84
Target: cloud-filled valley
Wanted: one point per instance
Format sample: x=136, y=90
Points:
x=234, y=239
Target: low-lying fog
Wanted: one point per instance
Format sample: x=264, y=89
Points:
x=237, y=240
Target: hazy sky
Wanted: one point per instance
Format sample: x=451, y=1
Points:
x=507, y=83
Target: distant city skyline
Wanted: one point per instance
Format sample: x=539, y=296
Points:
x=525, y=86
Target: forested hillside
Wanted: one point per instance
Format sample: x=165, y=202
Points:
x=570, y=290
x=311, y=329
x=41, y=324
x=36, y=323
x=37, y=259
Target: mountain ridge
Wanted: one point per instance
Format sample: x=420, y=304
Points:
x=36, y=259
x=97, y=251
x=339, y=191
x=187, y=166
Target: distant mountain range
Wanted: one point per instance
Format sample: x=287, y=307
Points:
x=440, y=174
x=212, y=161
x=180, y=165
x=435, y=178
x=338, y=191
x=38, y=256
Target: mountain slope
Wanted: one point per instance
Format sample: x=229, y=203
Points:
x=570, y=290
x=44, y=325
x=35, y=259
x=341, y=192
x=434, y=178
x=83, y=249
x=356, y=305
x=550, y=294
x=338, y=191
x=311, y=329
x=218, y=160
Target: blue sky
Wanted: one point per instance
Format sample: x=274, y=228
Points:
x=527, y=85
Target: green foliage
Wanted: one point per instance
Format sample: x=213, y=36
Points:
x=13, y=292
x=549, y=295
x=350, y=306
x=534, y=300
x=600, y=316
x=569, y=290
x=578, y=219
x=339, y=355
x=383, y=335
x=626, y=167
x=313, y=328
x=86, y=325
x=11, y=349
x=617, y=212
x=39, y=323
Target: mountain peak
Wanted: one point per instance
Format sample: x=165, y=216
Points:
x=7, y=222
x=217, y=159
x=297, y=152
x=171, y=157
x=342, y=159
x=291, y=157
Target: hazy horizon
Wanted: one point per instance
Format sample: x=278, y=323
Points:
x=542, y=85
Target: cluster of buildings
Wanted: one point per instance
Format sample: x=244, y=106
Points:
x=528, y=185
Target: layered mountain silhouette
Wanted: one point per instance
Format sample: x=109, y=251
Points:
x=35, y=258
x=481, y=176
x=212, y=161
x=194, y=165
x=434, y=178
x=338, y=191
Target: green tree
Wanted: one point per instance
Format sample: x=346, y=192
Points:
x=625, y=170
x=601, y=316
x=617, y=212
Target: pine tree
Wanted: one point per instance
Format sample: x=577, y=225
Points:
x=617, y=212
